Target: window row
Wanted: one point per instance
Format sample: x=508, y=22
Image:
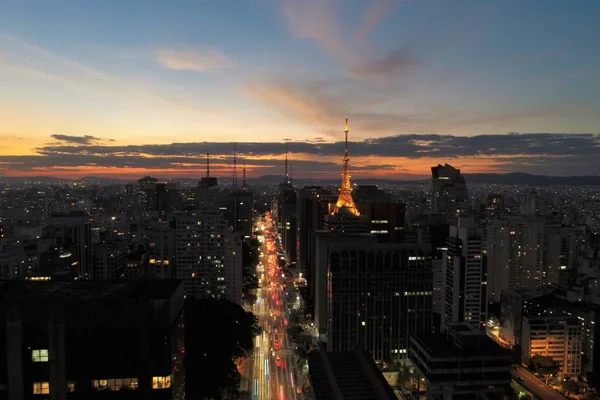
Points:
x=115, y=384
x=44, y=387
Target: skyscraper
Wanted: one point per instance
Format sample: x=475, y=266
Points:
x=462, y=273
x=448, y=195
x=372, y=295
x=208, y=256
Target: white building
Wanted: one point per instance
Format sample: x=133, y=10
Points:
x=208, y=256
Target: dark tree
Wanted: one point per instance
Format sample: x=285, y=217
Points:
x=570, y=386
x=250, y=252
x=217, y=332
x=545, y=365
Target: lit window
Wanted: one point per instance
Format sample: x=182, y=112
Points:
x=161, y=382
x=41, y=387
x=39, y=355
x=70, y=387
x=115, y=384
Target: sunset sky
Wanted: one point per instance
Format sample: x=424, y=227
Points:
x=130, y=88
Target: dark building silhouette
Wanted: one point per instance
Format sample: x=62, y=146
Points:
x=371, y=295
x=349, y=375
x=91, y=340
x=463, y=363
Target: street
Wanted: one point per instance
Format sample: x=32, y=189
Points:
x=534, y=385
x=274, y=372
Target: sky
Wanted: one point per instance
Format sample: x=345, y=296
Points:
x=138, y=87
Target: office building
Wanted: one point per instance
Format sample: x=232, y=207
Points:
x=371, y=295
x=448, y=197
x=110, y=260
x=557, y=337
x=498, y=248
x=461, y=363
x=71, y=234
x=463, y=275
x=311, y=208
x=91, y=340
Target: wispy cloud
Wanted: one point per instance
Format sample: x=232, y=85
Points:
x=376, y=12
x=396, y=64
x=192, y=60
x=86, y=139
x=322, y=105
x=318, y=20
x=40, y=63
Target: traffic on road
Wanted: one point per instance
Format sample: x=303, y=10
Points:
x=275, y=371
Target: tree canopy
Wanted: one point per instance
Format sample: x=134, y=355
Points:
x=545, y=365
x=217, y=332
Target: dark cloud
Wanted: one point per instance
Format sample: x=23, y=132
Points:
x=86, y=139
x=549, y=153
x=411, y=146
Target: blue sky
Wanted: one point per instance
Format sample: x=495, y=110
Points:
x=156, y=72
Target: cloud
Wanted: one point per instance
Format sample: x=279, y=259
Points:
x=38, y=63
x=396, y=64
x=390, y=156
x=376, y=111
x=377, y=11
x=318, y=20
x=192, y=60
x=86, y=139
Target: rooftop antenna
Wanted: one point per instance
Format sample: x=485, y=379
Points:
x=244, y=177
x=290, y=174
x=234, y=172
x=207, y=165
x=286, y=176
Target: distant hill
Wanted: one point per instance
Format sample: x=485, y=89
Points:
x=519, y=178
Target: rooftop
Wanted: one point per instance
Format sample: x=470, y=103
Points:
x=23, y=291
x=350, y=375
x=443, y=346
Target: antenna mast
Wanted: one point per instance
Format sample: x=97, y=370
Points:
x=234, y=172
x=207, y=165
x=244, y=179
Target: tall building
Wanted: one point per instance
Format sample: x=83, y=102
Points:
x=463, y=274
x=72, y=234
x=89, y=340
x=557, y=337
x=371, y=295
x=498, y=249
x=243, y=211
x=448, y=195
x=284, y=207
x=208, y=256
x=312, y=205
x=161, y=250
x=110, y=260
x=386, y=217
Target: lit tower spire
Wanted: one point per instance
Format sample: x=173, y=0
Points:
x=345, y=198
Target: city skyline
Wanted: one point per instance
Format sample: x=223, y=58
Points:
x=422, y=82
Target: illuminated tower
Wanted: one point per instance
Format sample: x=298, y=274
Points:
x=345, y=200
